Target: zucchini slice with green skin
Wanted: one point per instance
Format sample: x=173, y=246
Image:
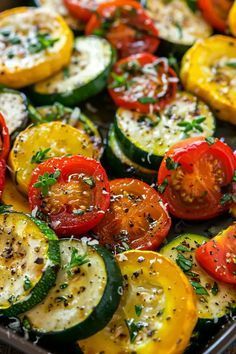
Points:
x=215, y=299
x=178, y=26
x=14, y=106
x=71, y=116
x=145, y=138
x=84, y=298
x=29, y=260
x=58, y=6
x=85, y=76
x=121, y=165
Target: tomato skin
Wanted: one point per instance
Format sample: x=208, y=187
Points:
x=217, y=256
x=5, y=138
x=128, y=216
x=79, y=9
x=131, y=34
x=130, y=101
x=2, y=175
x=65, y=222
x=188, y=153
x=216, y=12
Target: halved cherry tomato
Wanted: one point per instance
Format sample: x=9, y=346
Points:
x=216, y=12
x=142, y=82
x=136, y=218
x=126, y=25
x=4, y=138
x=71, y=192
x=82, y=9
x=218, y=256
x=2, y=175
x=193, y=175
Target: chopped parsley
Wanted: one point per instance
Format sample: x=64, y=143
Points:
x=184, y=263
x=210, y=140
x=118, y=80
x=182, y=248
x=199, y=289
x=27, y=283
x=171, y=164
x=76, y=260
x=89, y=181
x=78, y=212
x=231, y=64
x=192, y=4
x=47, y=180
x=40, y=156
x=138, y=310
x=194, y=125
x=162, y=187
x=43, y=41
x=146, y=100
x=134, y=328
x=215, y=289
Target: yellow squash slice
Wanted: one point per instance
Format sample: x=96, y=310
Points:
x=11, y=196
x=61, y=139
x=232, y=19
x=157, y=312
x=209, y=71
x=34, y=44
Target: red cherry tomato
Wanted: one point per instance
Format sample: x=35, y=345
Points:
x=4, y=138
x=218, y=256
x=2, y=175
x=126, y=25
x=142, y=82
x=193, y=175
x=82, y=9
x=216, y=12
x=136, y=219
x=72, y=193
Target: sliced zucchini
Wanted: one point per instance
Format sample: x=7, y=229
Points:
x=72, y=117
x=215, y=299
x=145, y=138
x=11, y=196
x=178, y=26
x=14, y=106
x=58, y=6
x=29, y=259
x=62, y=139
x=85, y=296
x=85, y=76
x=121, y=165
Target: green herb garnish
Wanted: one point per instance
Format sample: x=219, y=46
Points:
x=76, y=260
x=215, y=289
x=199, y=289
x=184, y=263
x=145, y=100
x=162, y=187
x=210, y=140
x=194, y=125
x=47, y=180
x=40, y=156
x=43, y=41
x=171, y=164
x=227, y=198
x=231, y=64
x=89, y=181
x=134, y=328
x=192, y=4
x=138, y=309
x=27, y=283
x=182, y=248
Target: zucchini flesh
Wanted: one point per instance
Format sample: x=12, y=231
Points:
x=14, y=106
x=121, y=165
x=145, y=138
x=84, y=297
x=28, y=260
x=85, y=76
x=177, y=23
x=217, y=299
x=75, y=118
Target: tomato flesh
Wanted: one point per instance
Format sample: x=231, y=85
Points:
x=79, y=198
x=216, y=12
x=82, y=9
x=142, y=82
x=126, y=25
x=194, y=189
x=218, y=256
x=136, y=218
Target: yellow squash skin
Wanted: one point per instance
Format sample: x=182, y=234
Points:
x=206, y=72
x=11, y=196
x=26, y=68
x=232, y=19
x=61, y=138
x=168, y=312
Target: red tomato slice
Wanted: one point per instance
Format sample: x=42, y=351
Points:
x=136, y=219
x=218, y=256
x=193, y=175
x=142, y=82
x=216, y=12
x=82, y=9
x=126, y=25
x=4, y=138
x=76, y=195
x=2, y=175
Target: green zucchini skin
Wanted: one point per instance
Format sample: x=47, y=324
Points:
x=217, y=306
x=79, y=94
x=145, y=138
x=69, y=116
x=9, y=117
x=100, y=315
x=47, y=281
x=121, y=165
